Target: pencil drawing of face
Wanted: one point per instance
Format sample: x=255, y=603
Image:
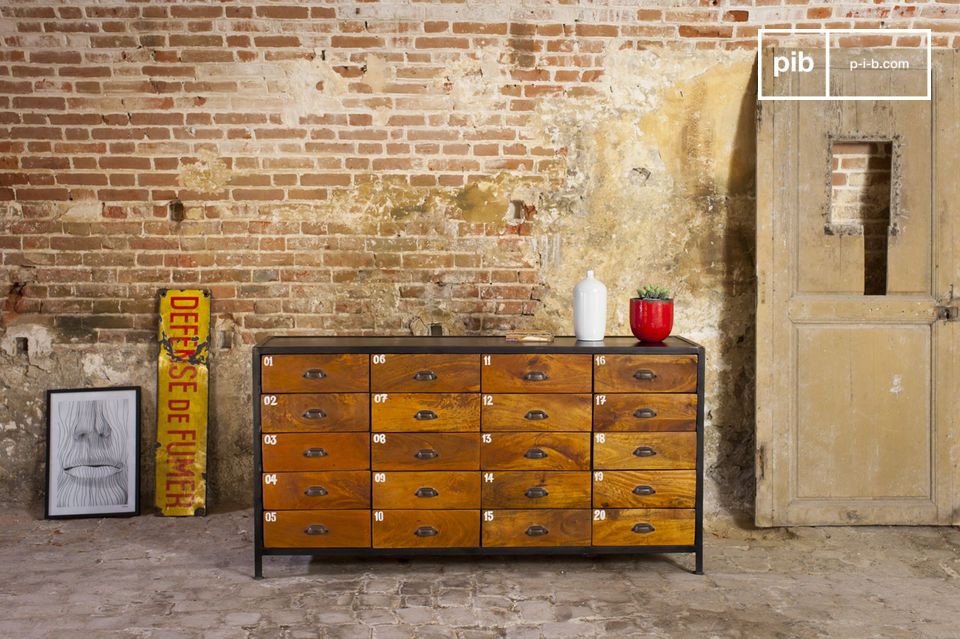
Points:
x=92, y=457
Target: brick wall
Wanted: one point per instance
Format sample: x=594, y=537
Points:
x=243, y=110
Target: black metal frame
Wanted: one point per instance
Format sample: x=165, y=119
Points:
x=136, y=445
x=478, y=345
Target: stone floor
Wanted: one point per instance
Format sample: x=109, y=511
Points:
x=154, y=577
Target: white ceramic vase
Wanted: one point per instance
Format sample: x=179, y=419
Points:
x=589, y=309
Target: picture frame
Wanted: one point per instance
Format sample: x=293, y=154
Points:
x=93, y=452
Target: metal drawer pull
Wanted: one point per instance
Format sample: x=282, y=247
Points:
x=313, y=373
x=426, y=491
x=316, y=529
x=426, y=453
x=425, y=376
x=642, y=529
x=537, y=531
x=644, y=451
x=537, y=492
x=535, y=453
x=644, y=490
x=536, y=415
x=315, y=491
x=314, y=413
x=425, y=415
x=535, y=376
x=314, y=452
x=644, y=413
x=426, y=531
x=645, y=373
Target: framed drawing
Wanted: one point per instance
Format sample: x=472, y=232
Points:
x=93, y=452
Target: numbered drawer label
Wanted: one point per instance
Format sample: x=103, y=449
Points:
x=316, y=529
x=540, y=527
x=425, y=412
x=644, y=489
x=535, y=489
x=536, y=412
x=425, y=373
x=315, y=451
x=342, y=373
x=426, y=490
x=645, y=373
x=314, y=412
x=425, y=451
x=535, y=451
x=643, y=527
x=536, y=373
x=644, y=451
x=645, y=412
x=426, y=529
x=347, y=489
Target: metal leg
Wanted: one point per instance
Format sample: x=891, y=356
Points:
x=257, y=566
x=699, y=568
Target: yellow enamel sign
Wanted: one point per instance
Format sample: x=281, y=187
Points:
x=182, y=400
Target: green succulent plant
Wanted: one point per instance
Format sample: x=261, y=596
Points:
x=651, y=292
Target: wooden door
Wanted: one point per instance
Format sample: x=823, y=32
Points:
x=857, y=394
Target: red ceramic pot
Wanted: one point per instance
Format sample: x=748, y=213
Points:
x=651, y=320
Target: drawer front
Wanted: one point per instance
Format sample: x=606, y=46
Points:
x=426, y=490
x=315, y=451
x=644, y=451
x=337, y=489
x=316, y=529
x=536, y=412
x=644, y=527
x=531, y=373
x=425, y=451
x=425, y=412
x=425, y=373
x=645, y=489
x=535, y=451
x=645, y=411
x=537, y=527
x=315, y=373
x=646, y=374
x=426, y=529
x=536, y=489
x=314, y=412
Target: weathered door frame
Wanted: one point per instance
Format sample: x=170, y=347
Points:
x=774, y=208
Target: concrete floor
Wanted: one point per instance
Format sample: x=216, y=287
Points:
x=154, y=577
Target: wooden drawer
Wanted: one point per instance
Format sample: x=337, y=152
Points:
x=316, y=529
x=315, y=373
x=536, y=373
x=646, y=374
x=644, y=451
x=425, y=412
x=645, y=411
x=537, y=527
x=426, y=490
x=536, y=411
x=644, y=527
x=426, y=529
x=303, y=491
x=315, y=451
x=535, y=451
x=425, y=373
x=314, y=412
x=425, y=451
x=645, y=489
x=536, y=489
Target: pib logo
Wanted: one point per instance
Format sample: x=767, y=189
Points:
x=796, y=62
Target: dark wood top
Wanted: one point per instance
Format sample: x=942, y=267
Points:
x=455, y=344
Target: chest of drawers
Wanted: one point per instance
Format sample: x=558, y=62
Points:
x=392, y=446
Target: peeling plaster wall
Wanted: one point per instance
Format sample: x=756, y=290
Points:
x=655, y=185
